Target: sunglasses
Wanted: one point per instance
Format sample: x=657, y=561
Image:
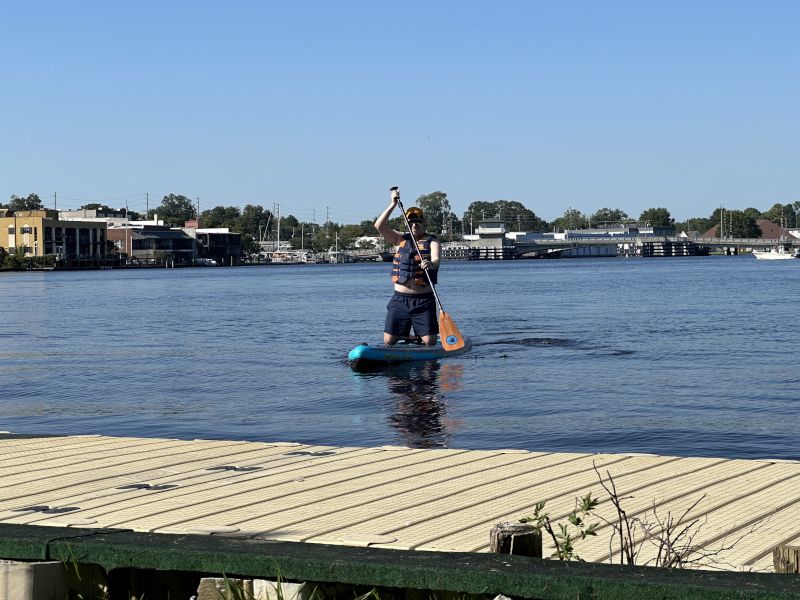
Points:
x=412, y=221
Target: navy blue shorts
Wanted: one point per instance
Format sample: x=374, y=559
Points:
x=405, y=310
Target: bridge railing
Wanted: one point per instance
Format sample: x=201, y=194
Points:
x=747, y=241
x=638, y=239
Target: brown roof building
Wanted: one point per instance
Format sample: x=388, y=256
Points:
x=769, y=231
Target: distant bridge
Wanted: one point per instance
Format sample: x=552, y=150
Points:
x=538, y=248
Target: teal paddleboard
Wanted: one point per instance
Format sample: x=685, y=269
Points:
x=365, y=355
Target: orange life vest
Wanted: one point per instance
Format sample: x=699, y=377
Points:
x=406, y=261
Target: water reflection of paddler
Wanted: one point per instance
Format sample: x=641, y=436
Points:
x=420, y=411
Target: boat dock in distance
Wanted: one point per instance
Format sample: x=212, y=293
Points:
x=442, y=500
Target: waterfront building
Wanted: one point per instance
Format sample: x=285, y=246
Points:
x=41, y=232
x=146, y=243
x=116, y=218
x=489, y=242
x=215, y=243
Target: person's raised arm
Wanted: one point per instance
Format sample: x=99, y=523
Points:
x=382, y=222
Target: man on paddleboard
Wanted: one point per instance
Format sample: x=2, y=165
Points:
x=413, y=302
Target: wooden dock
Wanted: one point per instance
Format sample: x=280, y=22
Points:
x=391, y=497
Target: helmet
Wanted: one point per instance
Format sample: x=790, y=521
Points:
x=415, y=213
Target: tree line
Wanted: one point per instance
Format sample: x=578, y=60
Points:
x=257, y=224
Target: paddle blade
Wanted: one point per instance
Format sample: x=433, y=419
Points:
x=448, y=332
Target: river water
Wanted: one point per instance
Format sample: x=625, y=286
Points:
x=678, y=356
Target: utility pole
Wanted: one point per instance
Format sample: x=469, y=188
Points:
x=146, y=205
x=198, y=210
x=127, y=229
x=55, y=201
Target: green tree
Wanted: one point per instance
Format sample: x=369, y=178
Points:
x=175, y=210
x=517, y=217
x=249, y=244
x=478, y=211
x=367, y=244
x=699, y=224
x=735, y=223
x=290, y=227
x=513, y=214
x=29, y=202
x=752, y=212
x=398, y=224
x=608, y=216
x=781, y=213
x=453, y=226
x=348, y=234
x=656, y=217
x=571, y=219
x=17, y=259
x=255, y=221
x=304, y=234
x=222, y=216
x=435, y=206
x=323, y=239
x=368, y=228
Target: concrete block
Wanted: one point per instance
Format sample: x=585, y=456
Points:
x=32, y=581
x=268, y=590
x=216, y=588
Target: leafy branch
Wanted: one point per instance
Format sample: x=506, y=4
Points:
x=672, y=537
x=568, y=533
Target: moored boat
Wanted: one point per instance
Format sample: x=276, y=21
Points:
x=779, y=252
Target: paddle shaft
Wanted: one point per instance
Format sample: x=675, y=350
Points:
x=416, y=246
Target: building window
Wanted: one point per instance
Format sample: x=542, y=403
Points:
x=26, y=229
x=10, y=230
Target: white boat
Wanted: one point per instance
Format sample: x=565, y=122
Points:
x=286, y=258
x=779, y=252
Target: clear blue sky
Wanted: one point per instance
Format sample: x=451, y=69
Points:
x=322, y=105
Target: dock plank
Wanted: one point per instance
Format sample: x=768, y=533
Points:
x=393, y=497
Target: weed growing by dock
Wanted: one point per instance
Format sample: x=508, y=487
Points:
x=673, y=539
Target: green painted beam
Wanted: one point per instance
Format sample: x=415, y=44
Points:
x=473, y=573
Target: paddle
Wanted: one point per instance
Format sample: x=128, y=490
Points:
x=448, y=332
